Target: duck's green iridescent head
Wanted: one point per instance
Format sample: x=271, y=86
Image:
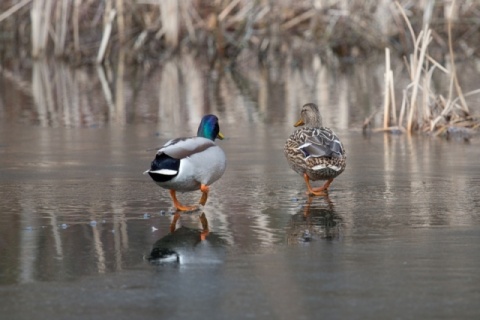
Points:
x=209, y=128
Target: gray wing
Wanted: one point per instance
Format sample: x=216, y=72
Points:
x=322, y=143
x=181, y=148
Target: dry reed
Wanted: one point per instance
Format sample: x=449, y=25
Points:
x=422, y=108
x=75, y=30
x=40, y=14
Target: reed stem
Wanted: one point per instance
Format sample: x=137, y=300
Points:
x=106, y=36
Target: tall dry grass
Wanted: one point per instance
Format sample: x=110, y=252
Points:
x=95, y=31
x=40, y=14
x=432, y=35
x=424, y=109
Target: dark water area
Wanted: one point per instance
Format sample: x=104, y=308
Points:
x=398, y=235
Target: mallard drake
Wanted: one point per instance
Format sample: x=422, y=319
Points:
x=313, y=151
x=192, y=163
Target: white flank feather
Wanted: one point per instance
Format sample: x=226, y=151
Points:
x=306, y=144
x=322, y=166
x=165, y=172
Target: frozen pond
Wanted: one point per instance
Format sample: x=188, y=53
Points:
x=397, y=237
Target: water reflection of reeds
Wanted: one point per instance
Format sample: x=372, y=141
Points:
x=59, y=97
x=178, y=93
x=255, y=105
x=423, y=165
x=59, y=242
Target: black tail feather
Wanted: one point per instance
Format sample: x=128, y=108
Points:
x=163, y=161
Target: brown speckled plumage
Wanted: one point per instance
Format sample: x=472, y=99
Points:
x=315, y=150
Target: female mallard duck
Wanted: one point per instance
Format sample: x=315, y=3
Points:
x=189, y=164
x=314, y=151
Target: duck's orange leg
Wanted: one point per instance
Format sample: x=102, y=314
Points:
x=324, y=187
x=306, y=211
x=204, y=188
x=173, y=225
x=317, y=191
x=178, y=205
x=205, y=230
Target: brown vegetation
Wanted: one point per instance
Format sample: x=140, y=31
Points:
x=93, y=31
x=422, y=108
x=432, y=36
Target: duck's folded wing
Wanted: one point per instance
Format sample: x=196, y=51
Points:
x=185, y=147
x=322, y=143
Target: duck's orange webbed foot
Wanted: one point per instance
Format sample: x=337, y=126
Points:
x=180, y=206
x=320, y=191
x=323, y=188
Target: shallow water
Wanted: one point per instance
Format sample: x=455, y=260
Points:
x=397, y=237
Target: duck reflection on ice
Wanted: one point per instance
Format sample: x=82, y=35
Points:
x=314, y=221
x=203, y=220
x=183, y=245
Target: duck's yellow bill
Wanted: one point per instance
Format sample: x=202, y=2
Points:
x=299, y=123
x=220, y=136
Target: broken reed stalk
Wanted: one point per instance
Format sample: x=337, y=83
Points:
x=298, y=19
x=392, y=97
x=76, y=25
x=417, y=67
x=40, y=16
x=13, y=9
x=389, y=96
x=106, y=36
x=386, y=95
x=61, y=16
x=169, y=11
x=227, y=10
x=452, y=61
x=187, y=18
x=120, y=21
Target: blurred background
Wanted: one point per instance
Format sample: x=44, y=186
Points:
x=91, y=63
x=89, y=89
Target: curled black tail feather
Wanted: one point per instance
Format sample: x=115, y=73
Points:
x=163, y=161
